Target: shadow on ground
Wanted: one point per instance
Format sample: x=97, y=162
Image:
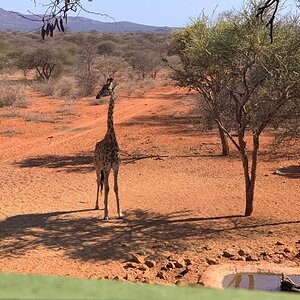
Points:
x=290, y=171
x=78, y=163
x=83, y=235
x=83, y=163
x=186, y=125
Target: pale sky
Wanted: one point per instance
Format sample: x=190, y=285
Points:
x=175, y=13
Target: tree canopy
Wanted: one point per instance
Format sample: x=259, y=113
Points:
x=244, y=80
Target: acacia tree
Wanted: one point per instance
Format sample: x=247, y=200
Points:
x=45, y=60
x=110, y=66
x=146, y=63
x=245, y=80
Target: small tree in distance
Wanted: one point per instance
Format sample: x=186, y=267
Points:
x=109, y=66
x=86, y=72
x=146, y=63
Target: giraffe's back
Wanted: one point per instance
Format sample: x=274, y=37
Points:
x=106, y=151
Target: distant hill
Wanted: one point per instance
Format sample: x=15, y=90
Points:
x=11, y=21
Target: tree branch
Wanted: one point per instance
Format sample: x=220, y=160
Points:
x=56, y=13
x=229, y=135
x=262, y=11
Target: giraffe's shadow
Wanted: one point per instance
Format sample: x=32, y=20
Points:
x=84, y=236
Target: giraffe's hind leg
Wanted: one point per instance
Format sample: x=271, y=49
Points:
x=116, y=188
x=99, y=174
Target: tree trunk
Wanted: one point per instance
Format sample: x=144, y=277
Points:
x=250, y=178
x=249, y=199
x=224, y=141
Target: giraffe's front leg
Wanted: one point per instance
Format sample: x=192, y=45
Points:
x=116, y=188
x=106, y=191
x=97, y=199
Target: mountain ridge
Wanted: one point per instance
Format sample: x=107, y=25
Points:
x=14, y=21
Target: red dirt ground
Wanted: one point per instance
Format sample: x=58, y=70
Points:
x=186, y=205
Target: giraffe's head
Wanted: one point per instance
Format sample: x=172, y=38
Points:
x=107, y=88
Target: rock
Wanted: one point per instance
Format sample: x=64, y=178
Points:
x=137, y=258
x=147, y=280
x=170, y=265
x=173, y=258
x=287, y=250
x=201, y=283
x=297, y=255
x=298, y=242
x=139, y=277
x=242, y=258
x=277, y=260
x=206, y=247
x=161, y=275
x=251, y=258
x=116, y=277
x=242, y=252
x=279, y=243
x=126, y=277
x=150, y=263
x=270, y=232
x=142, y=268
x=178, y=264
x=212, y=261
x=182, y=273
x=129, y=265
x=264, y=255
x=227, y=254
x=187, y=261
x=141, y=252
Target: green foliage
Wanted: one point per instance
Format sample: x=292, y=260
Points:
x=110, y=66
x=106, y=48
x=47, y=61
x=27, y=51
x=234, y=54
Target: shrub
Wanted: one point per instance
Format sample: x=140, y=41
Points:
x=58, y=88
x=13, y=95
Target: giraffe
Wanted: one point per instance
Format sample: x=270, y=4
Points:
x=106, y=154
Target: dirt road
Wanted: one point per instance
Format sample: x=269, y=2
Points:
x=181, y=199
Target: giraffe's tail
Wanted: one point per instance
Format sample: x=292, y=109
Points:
x=101, y=181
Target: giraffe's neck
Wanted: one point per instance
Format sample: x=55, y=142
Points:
x=110, y=116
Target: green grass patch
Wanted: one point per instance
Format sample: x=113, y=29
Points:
x=46, y=288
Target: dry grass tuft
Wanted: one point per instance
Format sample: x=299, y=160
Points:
x=13, y=95
x=58, y=88
x=40, y=118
